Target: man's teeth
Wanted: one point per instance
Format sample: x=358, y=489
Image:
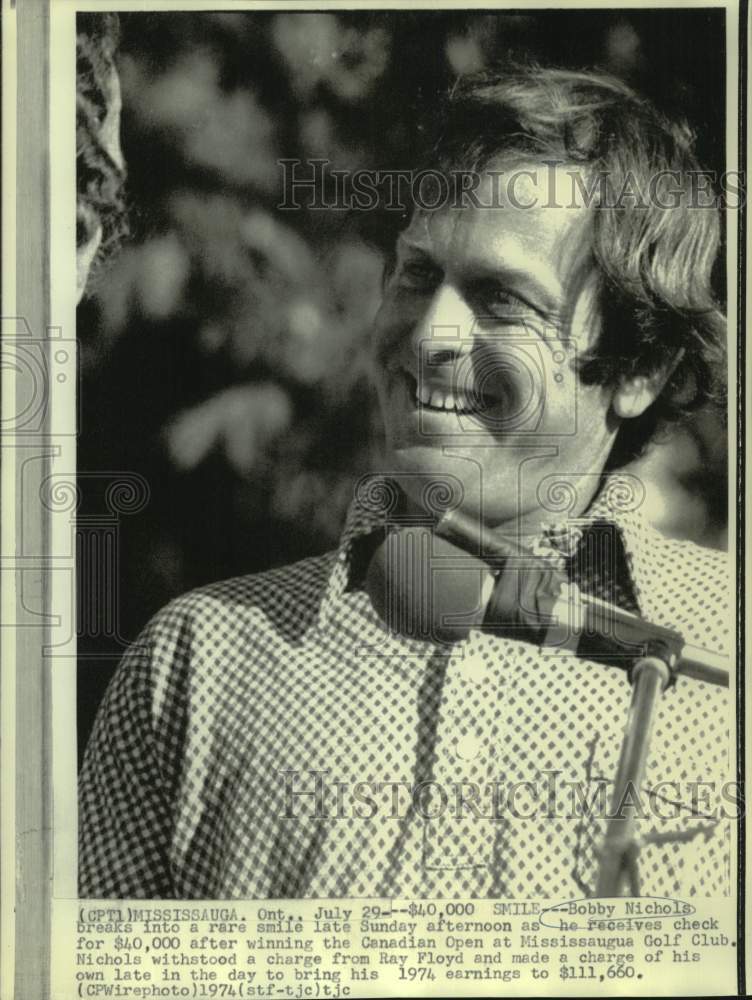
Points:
x=438, y=399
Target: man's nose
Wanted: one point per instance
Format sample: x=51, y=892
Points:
x=444, y=329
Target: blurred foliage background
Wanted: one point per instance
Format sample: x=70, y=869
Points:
x=224, y=350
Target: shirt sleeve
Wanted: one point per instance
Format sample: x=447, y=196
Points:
x=125, y=814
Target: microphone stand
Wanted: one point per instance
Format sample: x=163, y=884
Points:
x=650, y=676
x=663, y=655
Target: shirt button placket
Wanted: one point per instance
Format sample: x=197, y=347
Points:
x=464, y=841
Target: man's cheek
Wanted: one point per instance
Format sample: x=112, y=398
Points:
x=514, y=382
x=389, y=334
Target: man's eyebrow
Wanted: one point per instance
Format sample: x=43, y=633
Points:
x=542, y=285
x=405, y=243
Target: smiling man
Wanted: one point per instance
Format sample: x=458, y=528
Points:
x=270, y=736
x=485, y=315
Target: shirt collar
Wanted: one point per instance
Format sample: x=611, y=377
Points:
x=620, y=501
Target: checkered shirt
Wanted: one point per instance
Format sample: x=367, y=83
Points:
x=267, y=736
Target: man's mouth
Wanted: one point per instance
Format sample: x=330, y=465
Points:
x=439, y=399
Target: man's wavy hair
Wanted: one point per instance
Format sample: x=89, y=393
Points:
x=99, y=179
x=655, y=263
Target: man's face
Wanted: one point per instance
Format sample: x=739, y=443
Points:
x=476, y=340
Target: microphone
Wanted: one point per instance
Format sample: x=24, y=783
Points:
x=436, y=582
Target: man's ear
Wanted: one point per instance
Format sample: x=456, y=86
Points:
x=636, y=393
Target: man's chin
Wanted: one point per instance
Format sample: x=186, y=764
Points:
x=435, y=481
x=436, y=478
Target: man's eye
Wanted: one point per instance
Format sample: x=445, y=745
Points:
x=496, y=301
x=418, y=274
